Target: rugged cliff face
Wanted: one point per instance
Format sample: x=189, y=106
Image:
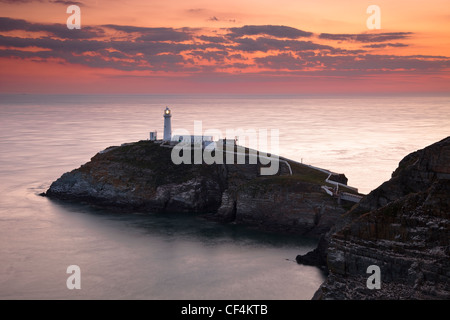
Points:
x=403, y=227
x=141, y=177
x=284, y=203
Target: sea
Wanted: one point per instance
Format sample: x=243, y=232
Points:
x=181, y=256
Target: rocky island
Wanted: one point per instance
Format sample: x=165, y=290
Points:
x=402, y=227
x=141, y=177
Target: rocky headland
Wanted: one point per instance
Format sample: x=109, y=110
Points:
x=141, y=177
x=402, y=227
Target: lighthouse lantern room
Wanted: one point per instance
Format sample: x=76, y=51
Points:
x=167, y=125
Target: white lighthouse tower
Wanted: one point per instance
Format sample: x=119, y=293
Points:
x=167, y=125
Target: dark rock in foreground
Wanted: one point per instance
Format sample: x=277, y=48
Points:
x=141, y=177
x=403, y=227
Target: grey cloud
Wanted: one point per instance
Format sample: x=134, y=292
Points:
x=237, y=56
x=346, y=64
x=195, y=10
x=218, y=56
x=385, y=45
x=366, y=37
x=58, y=30
x=71, y=51
x=391, y=62
x=270, y=30
x=213, y=39
x=284, y=61
x=266, y=44
x=154, y=34
x=241, y=65
x=8, y=53
x=164, y=48
x=67, y=2
x=72, y=46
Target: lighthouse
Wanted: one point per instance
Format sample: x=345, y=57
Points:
x=167, y=125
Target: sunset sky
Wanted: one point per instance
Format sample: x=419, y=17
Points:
x=232, y=46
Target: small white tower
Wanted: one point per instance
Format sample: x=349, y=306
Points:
x=167, y=125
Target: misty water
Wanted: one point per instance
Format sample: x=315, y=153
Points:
x=155, y=256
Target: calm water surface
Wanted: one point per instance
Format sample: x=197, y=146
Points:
x=179, y=257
